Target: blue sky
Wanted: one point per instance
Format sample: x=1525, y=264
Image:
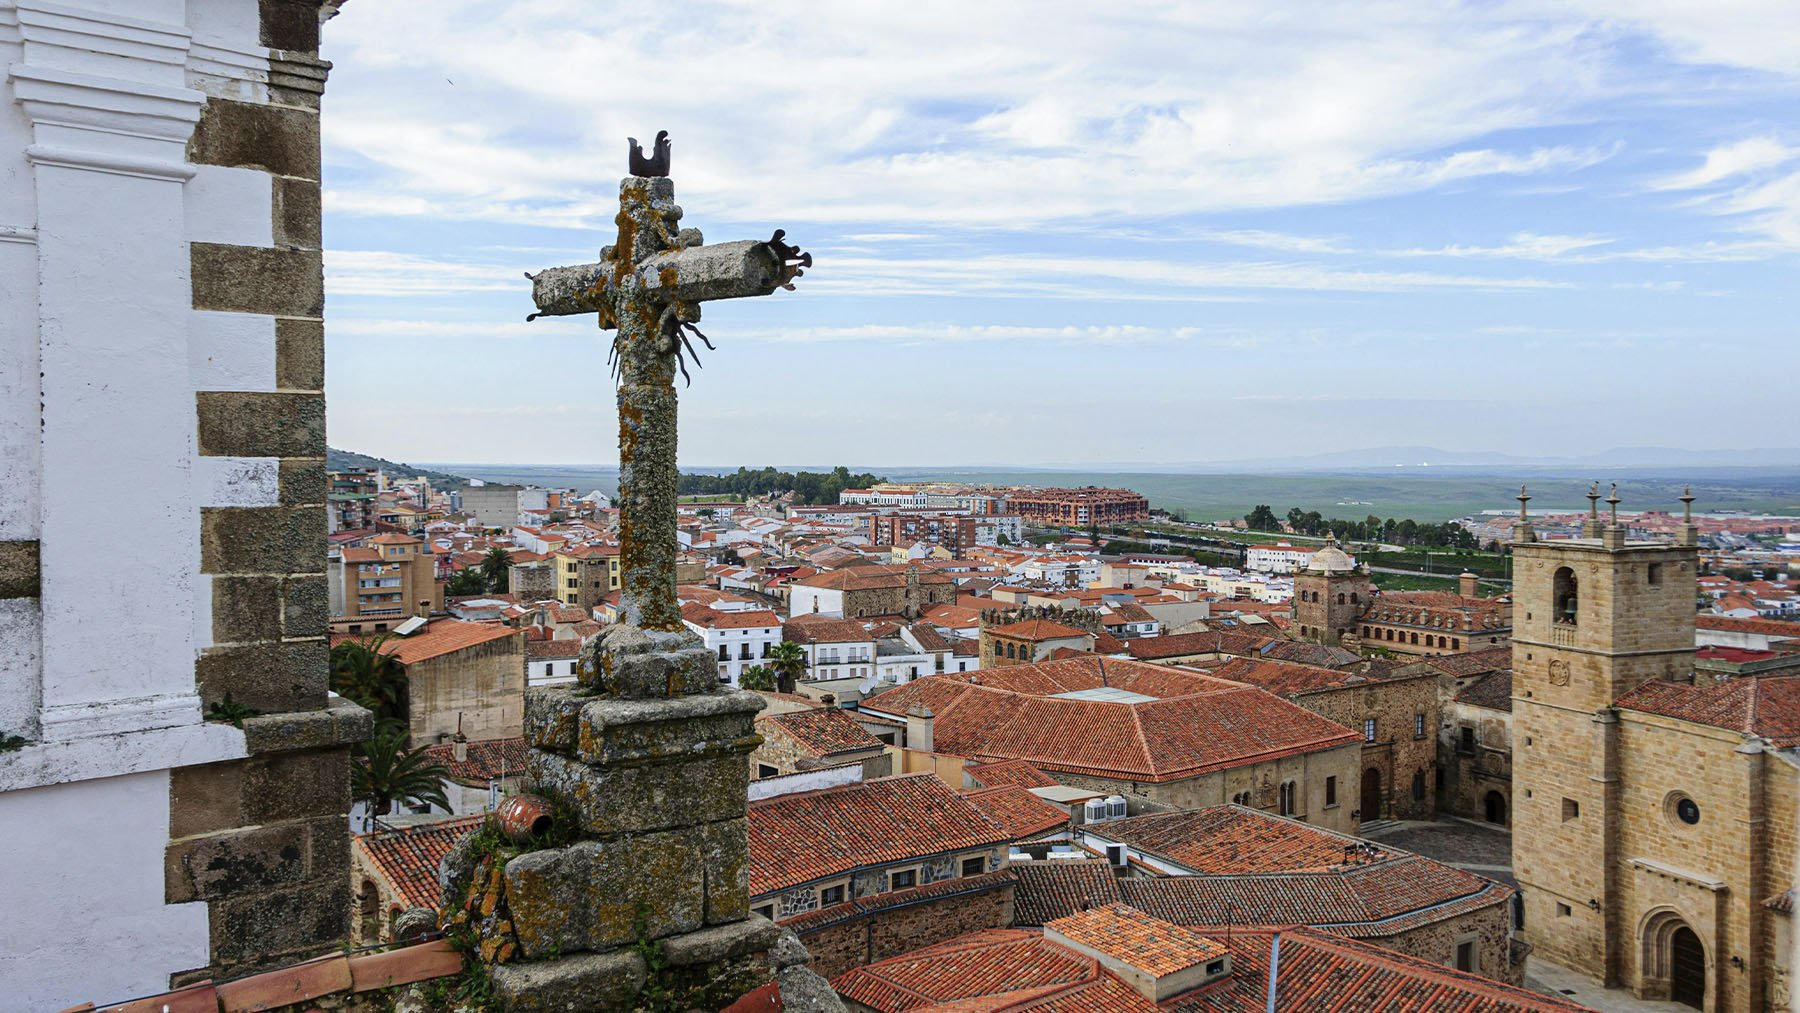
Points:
x=1081, y=233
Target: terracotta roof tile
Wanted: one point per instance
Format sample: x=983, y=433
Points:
x=1053, y=888
x=999, y=772
x=979, y=964
x=1022, y=814
x=409, y=857
x=488, y=759
x=1493, y=691
x=822, y=731
x=807, y=836
x=439, y=637
x=1194, y=724
x=1136, y=939
x=1762, y=706
x=1286, y=678
x=1037, y=629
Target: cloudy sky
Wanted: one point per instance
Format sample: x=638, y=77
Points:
x=1116, y=233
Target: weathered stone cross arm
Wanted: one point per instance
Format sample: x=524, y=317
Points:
x=693, y=274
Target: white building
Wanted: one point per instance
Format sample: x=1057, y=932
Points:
x=160, y=325
x=740, y=639
x=1282, y=557
x=1063, y=570
x=835, y=649
x=551, y=662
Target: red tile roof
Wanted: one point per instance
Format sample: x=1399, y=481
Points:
x=713, y=619
x=821, y=731
x=1195, y=725
x=558, y=649
x=1052, y=888
x=1320, y=971
x=438, y=638
x=1179, y=645
x=1766, y=627
x=1764, y=707
x=864, y=578
x=1493, y=691
x=813, y=835
x=1132, y=937
x=1286, y=678
x=999, y=772
x=488, y=759
x=408, y=858
x=1037, y=629
x=993, y=963
x=1022, y=814
x=814, y=629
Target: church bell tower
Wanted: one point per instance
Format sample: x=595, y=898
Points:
x=1594, y=617
x=1329, y=595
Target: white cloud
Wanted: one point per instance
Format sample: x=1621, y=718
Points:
x=1522, y=246
x=1726, y=161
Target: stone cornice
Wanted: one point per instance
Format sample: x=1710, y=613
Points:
x=107, y=105
x=1656, y=868
x=82, y=32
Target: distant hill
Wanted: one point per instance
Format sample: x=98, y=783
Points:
x=341, y=460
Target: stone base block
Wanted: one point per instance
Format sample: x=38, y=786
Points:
x=598, y=895
x=651, y=665
x=616, y=732
x=589, y=981
x=626, y=800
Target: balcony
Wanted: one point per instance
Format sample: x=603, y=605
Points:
x=1562, y=634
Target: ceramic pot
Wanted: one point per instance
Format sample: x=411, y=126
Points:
x=522, y=817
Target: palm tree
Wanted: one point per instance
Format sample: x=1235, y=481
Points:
x=788, y=659
x=384, y=771
x=493, y=567
x=360, y=671
x=757, y=677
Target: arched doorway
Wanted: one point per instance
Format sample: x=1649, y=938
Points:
x=1687, y=969
x=1494, y=808
x=1371, y=794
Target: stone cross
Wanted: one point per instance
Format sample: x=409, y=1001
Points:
x=647, y=289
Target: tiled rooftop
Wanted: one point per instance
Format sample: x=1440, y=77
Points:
x=1762, y=706
x=822, y=731
x=812, y=835
x=1196, y=725
x=409, y=857
x=439, y=637
x=999, y=772
x=1022, y=814
x=1054, y=888
x=1134, y=938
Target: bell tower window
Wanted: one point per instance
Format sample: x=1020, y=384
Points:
x=1565, y=597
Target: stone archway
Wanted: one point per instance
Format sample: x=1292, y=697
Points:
x=1493, y=808
x=1673, y=960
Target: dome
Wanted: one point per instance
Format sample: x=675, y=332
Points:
x=1331, y=559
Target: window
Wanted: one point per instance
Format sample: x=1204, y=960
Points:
x=1241, y=798
x=765, y=910
x=1368, y=729
x=1564, y=596
x=1654, y=574
x=1214, y=968
x=1287, y=798
x=724, y=653
x=974, y=866
x=1418, y=726
x=764, y=770
x=1465, y=956
x=997, y=648
x=1331, y=791
x=1415, y=638
x=1571, y=809
x=1466, y=744
x=1456, y=643
x=1354, y=600
x=903, y=879
x=1419, y=786
x=834, y=894
x=1340, y=597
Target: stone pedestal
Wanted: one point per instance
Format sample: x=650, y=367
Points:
x=648, y=759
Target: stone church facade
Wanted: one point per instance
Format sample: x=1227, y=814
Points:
x=1653, y=819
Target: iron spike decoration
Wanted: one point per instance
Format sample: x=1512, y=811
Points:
x=647, y=288
x=657, y=164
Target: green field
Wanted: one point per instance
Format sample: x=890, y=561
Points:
x=1423, y=496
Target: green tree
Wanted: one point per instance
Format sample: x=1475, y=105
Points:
x=1002, y=540
x=493, y=569
x=1262, y=518
x=788, y=659
x=757, y=677
x=468, y=580
x=362, y=673
x=384, y=771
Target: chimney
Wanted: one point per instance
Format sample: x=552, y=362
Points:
x=1468, y=585
x=918, y=728
x=459, y=747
